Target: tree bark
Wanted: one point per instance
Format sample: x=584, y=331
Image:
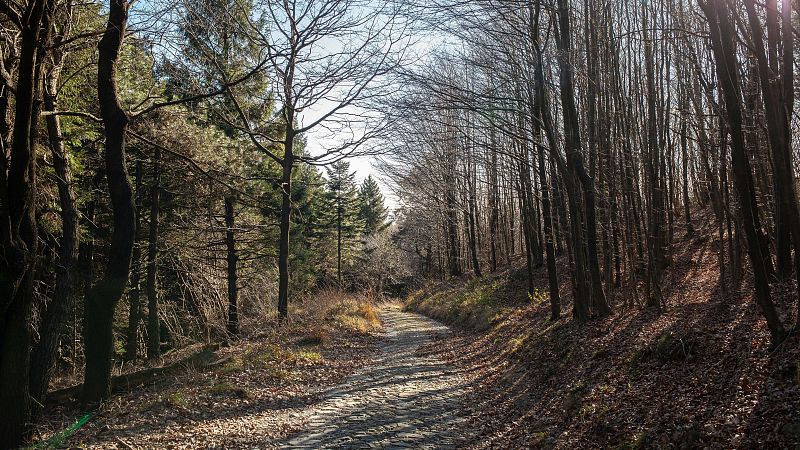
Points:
x=286, y=212
x=552, y=271
x=778, y=93
x=722, y=38
x=54, y=318
x=134, y=294
x=102, y=298
x=153, y=321
x=578, y=171
x=232, y=258
x=18, y=240
x=656, y=214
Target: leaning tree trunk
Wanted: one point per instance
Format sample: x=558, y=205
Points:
x=102, y=298
x=54, y=318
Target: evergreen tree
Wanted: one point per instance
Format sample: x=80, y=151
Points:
x=343, y=196
x=313, y=241
x=372, y=212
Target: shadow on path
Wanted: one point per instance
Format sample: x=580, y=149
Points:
x=401, y=400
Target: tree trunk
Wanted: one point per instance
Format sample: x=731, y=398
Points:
x=153, y=321
x=685, y=161
x=452, y=232
x=472, y=209
x=339, y=243
x=102, y=298
x=18, y=241
x=656, y=215
x=286, y=212
x=722, y=38
x=552, y=271
x=578, y=171
x=53, y=320
x=233, y=293
x=134, y=295
x=493, y=205
x=778, y=94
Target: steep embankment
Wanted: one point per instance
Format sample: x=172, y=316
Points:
x=699, y=375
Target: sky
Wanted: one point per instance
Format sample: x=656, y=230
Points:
x=319, y=139
x=363, y=166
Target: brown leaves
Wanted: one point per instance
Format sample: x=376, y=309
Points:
x=258, y=395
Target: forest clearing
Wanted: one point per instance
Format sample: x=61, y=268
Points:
x=399, y=224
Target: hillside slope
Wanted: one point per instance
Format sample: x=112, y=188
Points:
x=698, y=375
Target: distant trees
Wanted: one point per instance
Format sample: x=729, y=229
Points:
x=186, y=103
x=344, y=210
x=371, y=212
x=579, y=136
x=590, y=131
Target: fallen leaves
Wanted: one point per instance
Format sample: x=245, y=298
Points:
x=259, y=395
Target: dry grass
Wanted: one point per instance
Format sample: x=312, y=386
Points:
x=330, y=311
x=475, y=304
x=261, y=381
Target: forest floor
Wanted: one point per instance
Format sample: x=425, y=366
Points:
x=700, y=374
x=357, y=389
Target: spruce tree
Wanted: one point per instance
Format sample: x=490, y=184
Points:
x=372, y=211
x=343, y=196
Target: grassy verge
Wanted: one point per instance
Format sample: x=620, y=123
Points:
x=476, y=304
x=267, y=375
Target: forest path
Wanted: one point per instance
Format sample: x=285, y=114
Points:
x=403, y=399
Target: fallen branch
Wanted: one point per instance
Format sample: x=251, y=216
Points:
x=125, y=382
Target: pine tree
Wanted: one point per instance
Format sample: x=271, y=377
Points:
x=344, y=209
x=372, y=212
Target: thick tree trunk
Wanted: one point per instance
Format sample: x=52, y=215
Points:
x=18, y=241
x=102, y=298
